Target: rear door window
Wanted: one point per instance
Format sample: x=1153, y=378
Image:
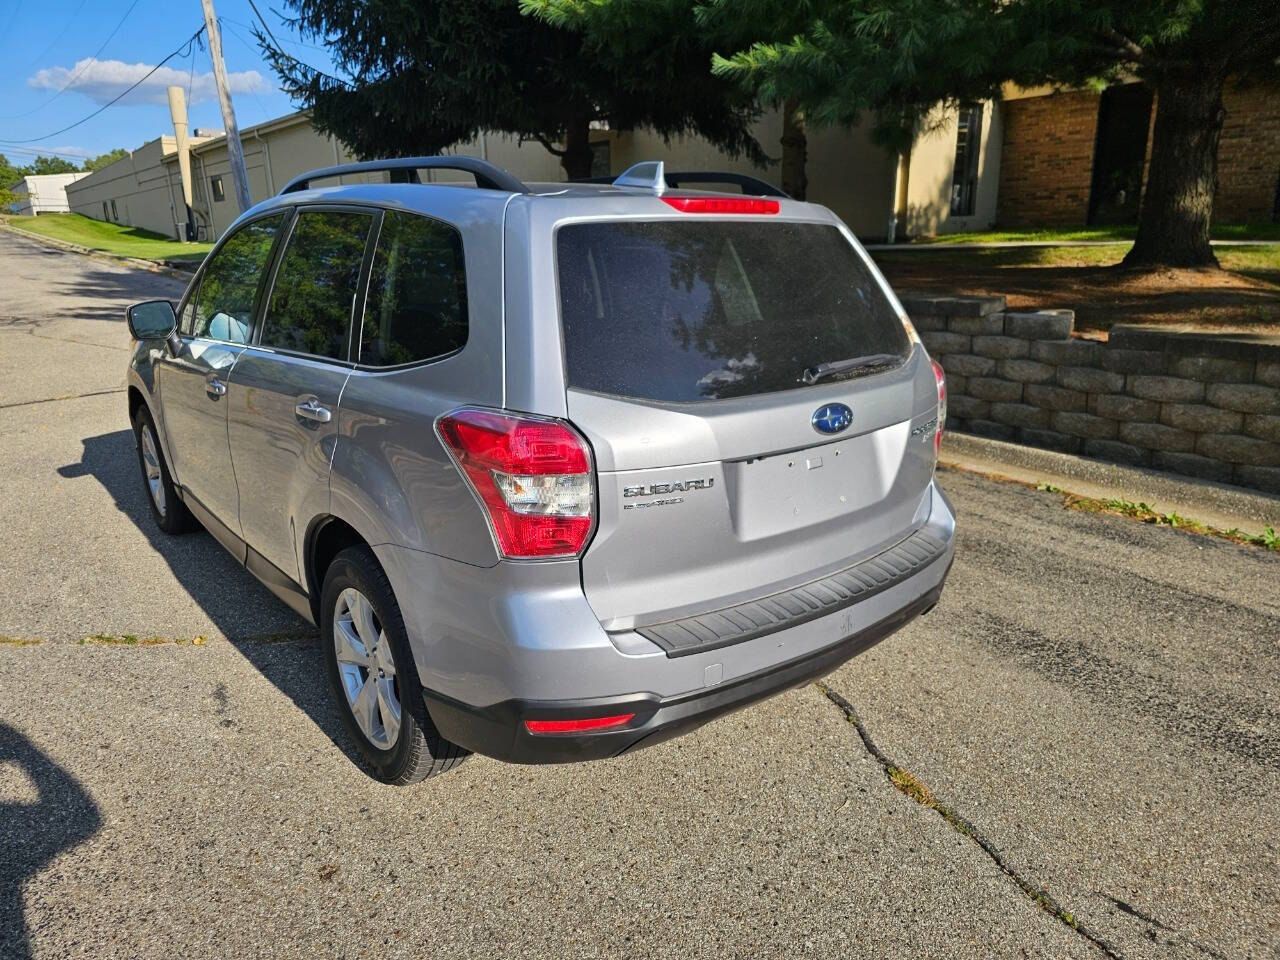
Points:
x=317, y=282
x=416, y=308
x=686, y=311
x=225, y=303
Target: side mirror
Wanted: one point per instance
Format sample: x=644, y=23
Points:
x=151, y=320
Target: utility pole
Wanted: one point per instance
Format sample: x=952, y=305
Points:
x=235, y=152
x=178, y=113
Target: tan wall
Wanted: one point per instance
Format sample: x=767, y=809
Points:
x=847, y=172
x=933, y=166
x=140, y=186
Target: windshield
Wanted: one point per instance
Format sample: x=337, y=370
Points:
x=685, y=311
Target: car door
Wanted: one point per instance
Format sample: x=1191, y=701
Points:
x=217, y=319
x=284, y=391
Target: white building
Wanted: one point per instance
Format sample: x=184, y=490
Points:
x=46, y=193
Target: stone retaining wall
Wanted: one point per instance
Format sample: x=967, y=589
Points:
x=1193, y=403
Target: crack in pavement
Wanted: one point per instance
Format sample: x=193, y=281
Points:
x=1137, y=914
x=906, y=782
x=69, y=396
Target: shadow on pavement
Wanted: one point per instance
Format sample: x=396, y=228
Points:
x=33, y=833
x=266, y=632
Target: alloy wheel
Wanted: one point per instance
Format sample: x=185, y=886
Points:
x=367, y=668
x=151, y=467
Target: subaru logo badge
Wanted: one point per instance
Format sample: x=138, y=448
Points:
x=832, y=418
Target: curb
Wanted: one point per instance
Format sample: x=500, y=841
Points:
x=167, y=267
x=1217, y=504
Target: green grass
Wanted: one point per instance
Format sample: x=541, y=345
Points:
x=1226, y=231
x=110, y=237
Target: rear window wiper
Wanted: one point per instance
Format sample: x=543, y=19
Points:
x=853, y=365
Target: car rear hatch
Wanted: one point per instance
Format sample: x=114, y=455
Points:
x=731, y=463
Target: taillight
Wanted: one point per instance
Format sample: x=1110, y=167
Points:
x=940, y=376
x=533, y=477
x=722, y=204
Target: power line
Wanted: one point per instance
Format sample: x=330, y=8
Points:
x=183, y=50
x=75, y=76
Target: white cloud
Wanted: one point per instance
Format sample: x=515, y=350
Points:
x=71, y=151
x=103, y=80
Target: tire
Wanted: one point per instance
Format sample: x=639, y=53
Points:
x=170, y=513
x=396, y=737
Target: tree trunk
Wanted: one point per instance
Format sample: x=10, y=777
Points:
x=1173, y=227
x=576, y=158
x=795, y=151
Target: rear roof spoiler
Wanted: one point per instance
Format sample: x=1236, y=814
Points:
x=651, y=174
x=405, y=170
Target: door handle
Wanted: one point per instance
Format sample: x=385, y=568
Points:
x=215, y=387
x=313, y=410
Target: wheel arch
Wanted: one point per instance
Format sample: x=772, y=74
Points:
x=326, y=538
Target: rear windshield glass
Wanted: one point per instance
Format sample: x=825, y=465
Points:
x=683, y=311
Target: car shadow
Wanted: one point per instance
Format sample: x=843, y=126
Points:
x=33, y=833
x=276, y=641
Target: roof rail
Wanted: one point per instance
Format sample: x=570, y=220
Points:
x=488, y=176
x=646, y=176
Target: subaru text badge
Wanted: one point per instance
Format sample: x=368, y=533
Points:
x=831, y=418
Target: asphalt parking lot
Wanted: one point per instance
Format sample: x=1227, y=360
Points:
x=1076, y=754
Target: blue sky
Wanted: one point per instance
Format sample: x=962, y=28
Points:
x=48, y=46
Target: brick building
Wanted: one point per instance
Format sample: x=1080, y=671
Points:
x=1077, y=158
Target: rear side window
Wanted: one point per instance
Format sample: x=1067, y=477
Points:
x=315, y=287
x=224, y=304
x=683, y=311
x=416, y=308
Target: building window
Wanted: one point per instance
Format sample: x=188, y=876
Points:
x=106, y=215
x=218, y=193
x=964, y=179
x=114, y=214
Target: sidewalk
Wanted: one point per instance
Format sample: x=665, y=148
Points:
x=1016, y=244
x=1215, y=504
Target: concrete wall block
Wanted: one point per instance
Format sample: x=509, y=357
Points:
x=1148, y=362
x=924, y=304
x=1117, y=452
x=1049, y=439
x=1264, y=426
x=1026, y=371
x=1157, y=436
x=967, y=364
x=999, y=391
x=929, y=321
x=957, y=384
x=1214, y=369
x=1268, y=372
x=1264, y=478
x=1164, y=389
x=1192, y=465
x=968, y=407
x=1020, y=415
x=1002, y=348
x=1084, y=425
x=989, y=323
x=1076, y=353
x=991, y=429
x=1055, y=398
x=1236, y=448
x=1245, y=397
x=1200, y=418
x=1040, y=325
x=1117, y=406
x=1090, y=380
x=942, y=341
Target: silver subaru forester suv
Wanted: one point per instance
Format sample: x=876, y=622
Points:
x=560, y=470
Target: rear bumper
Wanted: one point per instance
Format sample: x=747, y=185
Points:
x=499, y=731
